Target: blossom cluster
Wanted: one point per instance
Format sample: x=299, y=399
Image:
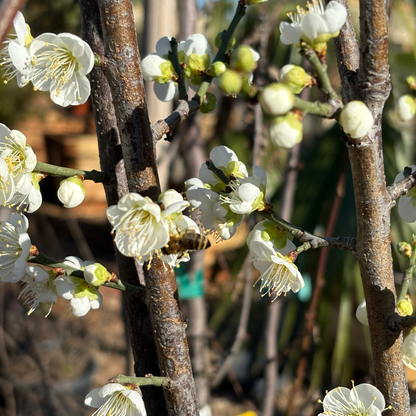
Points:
x=55, y=63
x=40, y=285
x=223, y=207
x=143, y=228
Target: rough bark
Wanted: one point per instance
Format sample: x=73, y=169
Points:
x=138, y=320
x=373, y=203
x=123, y=71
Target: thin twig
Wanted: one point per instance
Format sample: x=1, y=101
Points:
x=8, y=10
x=402, y=187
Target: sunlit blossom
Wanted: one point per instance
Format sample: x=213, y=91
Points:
x=14, y=248
x=61, y=64
x=361, y=400
x=115, y=400
x=278, y=274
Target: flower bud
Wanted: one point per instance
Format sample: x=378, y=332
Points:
x=217, y=69
x=242, y=59
x=209, y=104
x=276, y=99
x=411, y=82
x=405, y=307
x=230, y=82
x=286, y=131
x=96, y=274
x=361, y=313
x=295, y=78
x=356, y=119
x=71, y=192
x=405, y=249
x=218, y=40
x=405, y=108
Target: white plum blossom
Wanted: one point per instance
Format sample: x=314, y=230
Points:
x=409, y=351
x=361, y=400
x=286, y=131
x=407, y=203
x=14, y=248
x=215, y=215
x=71, y=192
x=29, y=195
x=247, y=193
x=15, y=56
x=356, y=119
x=194, y=54
x=156, y=67
x=361, y=313
x=18, y=155
x=316, y=25
x=61, y=64
x=82, y=295
x=278, y=274
x=7, y=187
x=139, y=226
x=227, y=161
x=116, y=400
x=267, y=232
x=405, y=108
x=276, y=99
x=38, y=288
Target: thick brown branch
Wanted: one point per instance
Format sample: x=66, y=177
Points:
x=181, y=113
x=138, y=320
x=123, y=72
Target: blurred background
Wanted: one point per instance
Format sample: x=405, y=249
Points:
x=249, y=355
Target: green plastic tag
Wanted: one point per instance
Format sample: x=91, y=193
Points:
x=189, y=288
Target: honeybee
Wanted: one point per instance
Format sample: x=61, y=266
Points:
x=186, y=241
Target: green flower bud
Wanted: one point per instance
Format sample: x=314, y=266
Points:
x=209, y=104
x=217, y=69
x=96, y=274
x=276, y=99
x=242, y=59
x=411, y=82
x=405, y=307
x=230, y=82
x=218, y=40
x=295, y=78
x=405, y=249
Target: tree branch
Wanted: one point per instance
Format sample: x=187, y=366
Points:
x=8, y=10
x=402, y=187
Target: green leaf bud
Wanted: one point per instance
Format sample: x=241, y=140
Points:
x=405, y=307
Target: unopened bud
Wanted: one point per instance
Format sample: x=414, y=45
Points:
x=276, y=99
x=96, y=274
x=295, y=78
x=361, y=313
x=356, y=119
x=405, y=108
x=242, y=59
x=286, y=131
x=411, y=82
x=217, y=69
x=230, y=82
x=405, y=249
x=71, y=192
x=405, y=307
x=218, y=40
x=209, y=104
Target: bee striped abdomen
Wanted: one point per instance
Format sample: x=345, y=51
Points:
x=186, y=241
